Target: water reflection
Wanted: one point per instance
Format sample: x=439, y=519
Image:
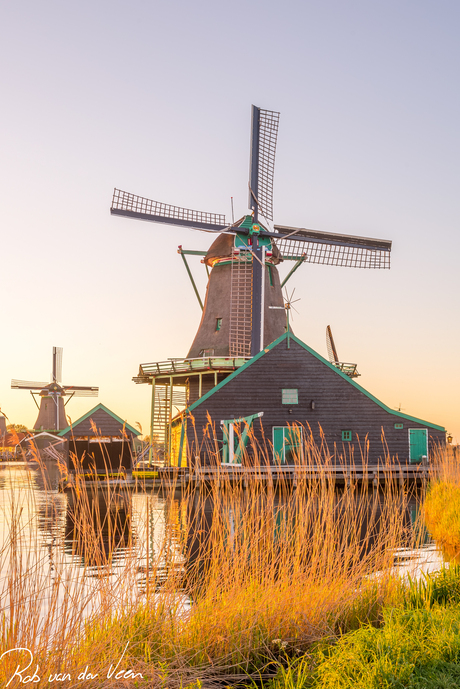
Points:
x=98, y=527
x=161, y=524
x=363, y=515
x=147, y=537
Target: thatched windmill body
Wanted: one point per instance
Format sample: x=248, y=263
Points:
x=51, y=410
x=226, y=324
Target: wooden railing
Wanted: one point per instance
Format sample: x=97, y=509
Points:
x=295, y=473
x=175, y=366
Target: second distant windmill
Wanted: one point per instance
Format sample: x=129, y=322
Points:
x=51, y=411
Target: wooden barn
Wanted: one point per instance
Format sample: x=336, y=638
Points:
x=102, y=441
x=270, y=408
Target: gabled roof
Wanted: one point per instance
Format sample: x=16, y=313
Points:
x=42, y=434
x=98, y=407
x=274, y=344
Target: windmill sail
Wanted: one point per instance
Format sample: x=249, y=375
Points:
x=265, y=125
x=27, y=385
x=81, y=391
x=264, y=133
x=351, y=370
x=57, y=364
x=132, y=206
x=332, y=249
x=331, y=350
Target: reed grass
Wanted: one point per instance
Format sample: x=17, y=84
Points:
x=230, y=582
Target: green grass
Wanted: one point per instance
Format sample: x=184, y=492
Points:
x=417, y=645
x=410, y=647
x=442, y=588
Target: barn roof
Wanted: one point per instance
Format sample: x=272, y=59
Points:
x=240, y=371
x=98, y=408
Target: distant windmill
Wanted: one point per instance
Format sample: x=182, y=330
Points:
x=51, y=413
x=349, y=369
x=3, y=420
x=244, y=284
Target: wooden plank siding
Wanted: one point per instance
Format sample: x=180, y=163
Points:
x=339, y=404
x=207, y=384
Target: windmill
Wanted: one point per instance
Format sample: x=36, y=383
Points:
x=236, y=319
x=349, y=369
x=3, y=420
x=51, y=413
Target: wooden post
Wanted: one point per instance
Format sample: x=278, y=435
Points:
x=152, y=414
x=181, y=443
x=147, y=577
x=375, y=481
x=170, y=417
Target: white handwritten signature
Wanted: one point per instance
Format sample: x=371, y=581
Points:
x=34, y=677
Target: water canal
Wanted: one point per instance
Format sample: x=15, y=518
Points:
x=70, y=552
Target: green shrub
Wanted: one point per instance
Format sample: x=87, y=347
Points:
x=442, y=515
x=410, y=647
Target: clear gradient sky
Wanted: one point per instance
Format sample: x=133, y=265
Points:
x=154, y=97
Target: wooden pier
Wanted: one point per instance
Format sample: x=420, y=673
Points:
x=414, y=474
x=288, y=475
x=278, y=476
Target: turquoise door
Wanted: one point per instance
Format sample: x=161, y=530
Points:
x=293, y=444
x=287, y=444
x=278, y=444
x=418, y=444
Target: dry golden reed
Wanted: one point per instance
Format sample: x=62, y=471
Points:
x=228, y=579
x=441, y=508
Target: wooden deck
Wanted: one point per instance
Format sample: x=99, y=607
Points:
x=417, y=474
x=284, y=475
x=292, y=476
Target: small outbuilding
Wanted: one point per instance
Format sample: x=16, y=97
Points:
x=287, y=398
x=101, y=441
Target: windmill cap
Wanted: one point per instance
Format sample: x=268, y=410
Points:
x=222, y=248
x=52, y=387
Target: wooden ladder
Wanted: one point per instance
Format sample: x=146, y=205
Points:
x=241, y=304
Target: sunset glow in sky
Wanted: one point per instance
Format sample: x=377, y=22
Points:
x=154, y=98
